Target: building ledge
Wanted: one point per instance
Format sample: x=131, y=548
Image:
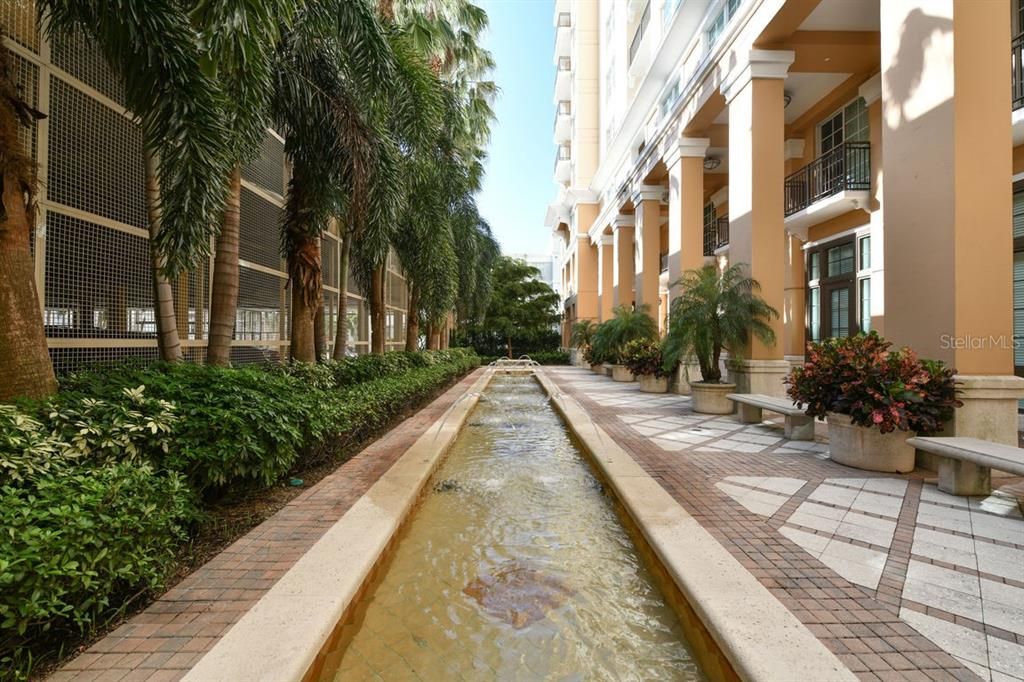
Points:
x=824, y=209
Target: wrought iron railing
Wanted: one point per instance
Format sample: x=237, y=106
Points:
x=1017, y=70
x=641, y=28
x=845, y=167
x=716, y=235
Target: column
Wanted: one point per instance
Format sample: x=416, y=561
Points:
x=623, y=277
x=947, y=195
x=605, y=270
x=871, y=91
x=586, y=278
x=647, y=215
x=685, y=164
x=757, y=238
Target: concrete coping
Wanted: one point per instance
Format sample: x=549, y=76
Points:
x=760, y=637
x=989, y=387
x=983, y=452
x=280, y=637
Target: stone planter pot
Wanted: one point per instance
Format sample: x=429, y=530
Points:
x=622, y=373
x=710, y=398
x=597, y=369
x=653, y=384
x=868, y=449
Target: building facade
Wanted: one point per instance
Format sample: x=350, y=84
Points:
x=859, y=157
x=91, y=243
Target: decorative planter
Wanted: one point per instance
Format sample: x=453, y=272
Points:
x=710, y=398
x=653, y=384
x=597, y=369
x=621, y=373
x=606, y=369
x=868, y=449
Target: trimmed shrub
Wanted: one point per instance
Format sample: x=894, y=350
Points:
x=551, y=357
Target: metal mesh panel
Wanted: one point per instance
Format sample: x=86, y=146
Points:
x=191, y=303
x=26, y=77
x=96, y=162
x=329, y=259
x=18, y=19
x=267, y=170
x=260, y=241
x=97, y=282
x=71, y=359
x=79, y=56
x=261, y=301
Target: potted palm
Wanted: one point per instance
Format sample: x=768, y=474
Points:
x=716, y=311
x=873, y=399
x=628, y=324
x=579, y=339
x=642, y=357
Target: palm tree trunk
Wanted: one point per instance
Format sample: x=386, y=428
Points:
x=435, y=337
x=224, y=295
x=341, y=331
x=445, y=333
x=377, y=309
x=163, y=295
x=319, y=334
x=304, y=274
x=25, y=367
x=412, y=325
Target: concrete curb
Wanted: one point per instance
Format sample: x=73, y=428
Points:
x=280, y=637
x=760, y=638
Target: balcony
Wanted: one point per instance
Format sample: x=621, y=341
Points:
x=834, y=183
x=1017, y=71
x=635, y=55
x=716, y=235
x=563, y=79
x=563, y=35
x=563, y=164
x=563, y=122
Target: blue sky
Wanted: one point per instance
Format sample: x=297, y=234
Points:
x=519, y=186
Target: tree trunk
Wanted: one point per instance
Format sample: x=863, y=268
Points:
x=412, y=324
x=224, y=295
x=319, y=334
x=163, y=295
x=304, y=274
x=377, y=310
x=341, y=331
x=445, y=333
x=25, y=367
x=508, y=345
x=435, y=337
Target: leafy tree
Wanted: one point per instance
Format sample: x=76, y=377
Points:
x=521, y=305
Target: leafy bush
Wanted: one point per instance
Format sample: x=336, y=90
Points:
x=551, y=357
x=643, y=358
x=609, y=338
x=861, y=377
x=75, y=542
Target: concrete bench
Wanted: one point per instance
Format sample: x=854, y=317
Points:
x=798, y=425
x=965, y=464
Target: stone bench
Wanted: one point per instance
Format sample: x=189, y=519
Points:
x=798, y=425
x=965, y=464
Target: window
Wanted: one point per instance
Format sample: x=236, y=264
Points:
x=814, y=268
x=839, y=309
x=670, y=97
x=865, y=253
x=814, y=313
x=865, y=305
x=142, y=320
x=668, y=10
x=839, y=288
x=849, y=124
x=717, y=26
x=840, y=260
x=59, y=317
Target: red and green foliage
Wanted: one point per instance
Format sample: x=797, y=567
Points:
x=643, y=358
x=862, y=377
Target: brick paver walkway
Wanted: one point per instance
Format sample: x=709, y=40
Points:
x=168, y=638
x=900, y=580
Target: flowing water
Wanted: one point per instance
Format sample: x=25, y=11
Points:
x=515, y=566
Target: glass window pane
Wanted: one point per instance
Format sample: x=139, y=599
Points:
x=840, y=260
x=865, y=253
x=855, y=117
x=814, y=313
x=839, y=307
x=865, y=305
x=814, y=269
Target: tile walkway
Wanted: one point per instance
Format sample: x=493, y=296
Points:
x=168, y=638
x=900, y=580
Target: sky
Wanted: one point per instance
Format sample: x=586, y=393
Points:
x=519, y=183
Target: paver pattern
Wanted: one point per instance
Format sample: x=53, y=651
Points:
x=168, y=638
x=900, y=580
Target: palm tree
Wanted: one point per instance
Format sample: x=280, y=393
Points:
x=716, y=311
x=154, y=49
x=25, y=367
x=240, y=38
x=628, y=324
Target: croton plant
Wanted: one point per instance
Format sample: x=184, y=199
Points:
x=643, y=358
x=861, y=376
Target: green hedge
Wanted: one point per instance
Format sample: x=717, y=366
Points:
x=544, y=357
x=100, y=484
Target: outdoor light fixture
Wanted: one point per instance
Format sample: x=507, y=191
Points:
x=712, y=163
x=786, y=99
